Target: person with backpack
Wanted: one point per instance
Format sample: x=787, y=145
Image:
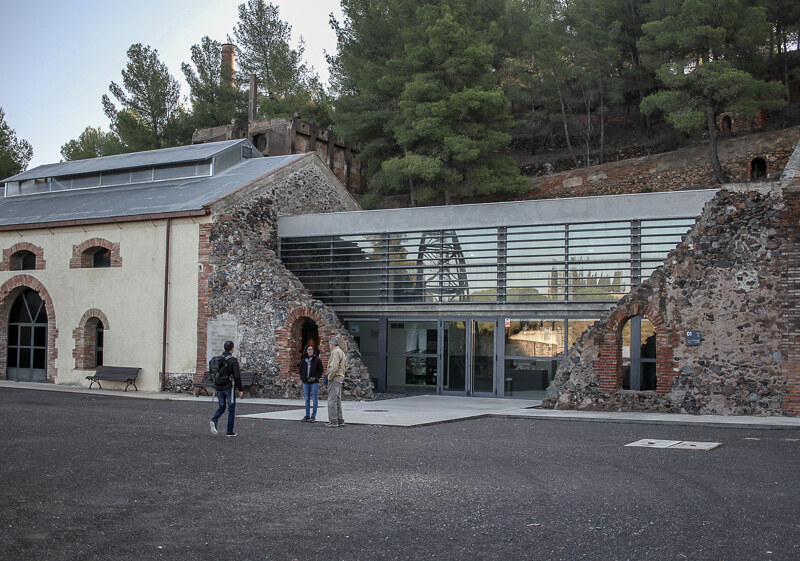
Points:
x=311, y=372
x=224, y=372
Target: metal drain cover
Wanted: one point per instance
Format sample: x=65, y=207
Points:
x=653, y=443
x=674, y=444
x=376, y=410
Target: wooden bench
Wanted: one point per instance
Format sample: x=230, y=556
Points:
x=125, y=374
x=248, y=378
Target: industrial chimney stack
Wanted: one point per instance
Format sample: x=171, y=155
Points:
x=226, y=76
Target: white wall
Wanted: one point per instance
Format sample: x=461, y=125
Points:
x=131, y=296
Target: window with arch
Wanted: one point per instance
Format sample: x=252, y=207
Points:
x=89, y=342
x=638, y=355
x=95, y=253
x=96, y=257
x=22, y=260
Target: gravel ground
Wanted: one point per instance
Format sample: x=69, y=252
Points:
x=92, y=477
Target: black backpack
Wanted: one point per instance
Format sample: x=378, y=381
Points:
x=220, y=370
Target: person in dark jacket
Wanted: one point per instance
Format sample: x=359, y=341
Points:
x=225, y=392
x=311, y=372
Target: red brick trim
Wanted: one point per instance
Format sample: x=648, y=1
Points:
x=8, y=293
x=288, y=335
x=7, y=265
x=82, y=260
x=84, y=336
x=203, y=297
x=608, y=365
x=790, y=343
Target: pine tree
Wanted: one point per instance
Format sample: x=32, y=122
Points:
x=701, y=50
x=14, y=153
x=151, y=115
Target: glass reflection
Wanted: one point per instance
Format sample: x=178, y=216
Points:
x=534, y=338
x=411, y=355
x=528, y=378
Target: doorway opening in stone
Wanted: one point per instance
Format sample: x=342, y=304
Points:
x=309, y=335
x=726, y=124
x=639, y=355
x=758, y=169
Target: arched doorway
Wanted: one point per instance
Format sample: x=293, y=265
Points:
x=726, y=124
x=309, y=335
x=639, y=355
x=758, y=169
x=27, y=338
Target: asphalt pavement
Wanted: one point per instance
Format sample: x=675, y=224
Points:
x=97, y=476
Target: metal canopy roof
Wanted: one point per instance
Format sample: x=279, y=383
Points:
x=157, y=197
x=178, y=154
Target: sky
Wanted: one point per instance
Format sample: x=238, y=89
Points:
x=58, y=57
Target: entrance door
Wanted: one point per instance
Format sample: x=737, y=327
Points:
x=454, y=367
x=27, y=339
x=482, y=357
x=468, y=357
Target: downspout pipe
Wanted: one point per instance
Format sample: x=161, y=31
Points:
x=166, y=310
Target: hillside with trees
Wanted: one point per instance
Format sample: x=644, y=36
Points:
x=453, y=100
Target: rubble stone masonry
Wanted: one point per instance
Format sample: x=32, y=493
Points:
x=248, y=283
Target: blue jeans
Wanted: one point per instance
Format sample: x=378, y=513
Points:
x=225, y=397
x=310, y=390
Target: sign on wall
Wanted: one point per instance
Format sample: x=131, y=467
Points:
x=694, y=338
x=219, y=331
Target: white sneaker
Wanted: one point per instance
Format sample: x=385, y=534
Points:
x=213, y=428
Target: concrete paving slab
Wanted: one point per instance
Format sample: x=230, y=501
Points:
x=410, y=411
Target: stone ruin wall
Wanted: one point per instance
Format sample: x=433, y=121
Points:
x=726, y=279
x=248, y=283
x=687, y=168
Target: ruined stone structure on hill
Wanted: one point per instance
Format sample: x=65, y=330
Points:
x=291, y=135
x=285, y=135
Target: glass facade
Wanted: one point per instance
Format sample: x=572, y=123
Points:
x=589, y=262
x=483, y=311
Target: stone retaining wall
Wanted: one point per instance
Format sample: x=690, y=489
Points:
x=687, y=168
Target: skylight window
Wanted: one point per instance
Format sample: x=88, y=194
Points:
x=109, y=178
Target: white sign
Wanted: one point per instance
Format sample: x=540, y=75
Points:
x=219, y=331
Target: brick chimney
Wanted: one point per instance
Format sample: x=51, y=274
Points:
x=226, y=76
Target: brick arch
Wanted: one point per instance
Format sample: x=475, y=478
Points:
x=81, y=261
x=608, y=365
x=8, y=293
x=5, y=264
x=287, y=334
x=84, y=336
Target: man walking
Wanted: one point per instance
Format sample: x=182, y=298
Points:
x=337, y=364
x=230, y=371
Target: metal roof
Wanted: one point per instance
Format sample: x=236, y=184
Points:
x=157, y=197
x=178, y=154
x=604, y=208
